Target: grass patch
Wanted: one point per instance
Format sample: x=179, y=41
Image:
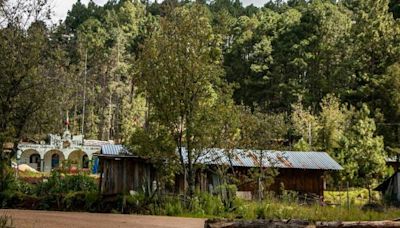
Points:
x=281, y=210
x=356, y=197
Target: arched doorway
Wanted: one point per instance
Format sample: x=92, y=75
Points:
x=78, y=159
x=34, y=159
x=55, y=161
x=30, y=157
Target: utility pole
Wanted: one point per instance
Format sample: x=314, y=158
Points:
x=84, y=96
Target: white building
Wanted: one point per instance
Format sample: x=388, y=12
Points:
x=46, y=156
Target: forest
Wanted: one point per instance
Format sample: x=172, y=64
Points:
x=319, y=75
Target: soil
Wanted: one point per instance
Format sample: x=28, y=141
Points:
x=55, y=219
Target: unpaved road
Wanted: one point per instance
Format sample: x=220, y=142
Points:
x=55, y=219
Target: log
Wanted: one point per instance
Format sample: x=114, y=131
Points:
x=368, y=224
x=224, y=223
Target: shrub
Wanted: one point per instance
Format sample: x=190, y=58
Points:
x=136, y=203
x=289, y=196
x=174, y=208
x=263, y=210
x=80, y=182
x=74, y=201
x=211, y=205
x=58, y=183
x=227, y=193
x=195, y=206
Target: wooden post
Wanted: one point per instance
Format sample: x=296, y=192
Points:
x=347, y=195
x=101, y=175
x=124, y=185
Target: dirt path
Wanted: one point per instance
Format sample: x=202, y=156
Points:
x=55, y=219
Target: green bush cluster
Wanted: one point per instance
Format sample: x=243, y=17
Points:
x=80, y=193
x=58, y=192
x=201, y=205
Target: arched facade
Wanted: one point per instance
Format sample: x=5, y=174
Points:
x=45, y=157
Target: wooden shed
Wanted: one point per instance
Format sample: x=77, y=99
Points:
x=302, y=172
x=390, y=188
x=122, y=172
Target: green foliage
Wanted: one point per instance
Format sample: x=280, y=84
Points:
x=82, y=201
x=183, y=82
x=173, y=208
x=155, y=80
x=357, y=197
x=59, y=183
x=362, y=153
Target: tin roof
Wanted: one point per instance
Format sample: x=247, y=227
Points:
x=93, y=142
x=115, y=150
x=277, y=159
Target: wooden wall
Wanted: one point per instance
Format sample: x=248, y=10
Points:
x=301, y=180
x=304, y=181
x=124, y=174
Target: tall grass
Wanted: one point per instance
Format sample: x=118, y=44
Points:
x=278, y=209
x=6, y=221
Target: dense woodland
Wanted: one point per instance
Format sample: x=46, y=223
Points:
x=318, y=75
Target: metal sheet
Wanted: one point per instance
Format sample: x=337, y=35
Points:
x=114, y=150
x=268, y=158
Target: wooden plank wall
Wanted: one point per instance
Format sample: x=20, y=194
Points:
x=121, y=176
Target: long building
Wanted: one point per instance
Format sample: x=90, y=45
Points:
x=47, y=155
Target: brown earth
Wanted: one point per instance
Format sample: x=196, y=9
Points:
x=55, y=219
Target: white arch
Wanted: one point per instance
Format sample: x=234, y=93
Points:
x=25, y=158
x=48, y=159
x=76, y=158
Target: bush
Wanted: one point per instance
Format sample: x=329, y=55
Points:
x=80, y=182
x=211, y=205
x=81, y=201
x=227, y=193
x=289, y=196
x=137, y=203
x=174, y=208
x=59, y=183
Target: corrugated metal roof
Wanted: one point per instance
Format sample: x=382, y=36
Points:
x=93, y=142
x=114, y=150
x=277, y=159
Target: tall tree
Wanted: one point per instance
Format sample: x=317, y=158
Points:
x=362, y=153
x=30, y=71
x=181, y=76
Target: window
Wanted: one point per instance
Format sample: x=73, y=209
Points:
x=34, y=158
x=85, y=161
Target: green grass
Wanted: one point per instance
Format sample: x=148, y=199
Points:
x=273, y=208
x=356, y=197
x=281, y=210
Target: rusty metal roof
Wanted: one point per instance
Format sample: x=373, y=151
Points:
x=269, y=158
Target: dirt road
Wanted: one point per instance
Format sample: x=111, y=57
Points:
x=55, y=219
